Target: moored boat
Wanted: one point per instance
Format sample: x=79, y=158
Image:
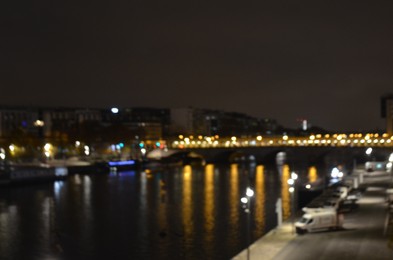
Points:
x=123, y=165
x=74, y=165
x=31, y=172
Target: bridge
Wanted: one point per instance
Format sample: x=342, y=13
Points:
x=324, y=150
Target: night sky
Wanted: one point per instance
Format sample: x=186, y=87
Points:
x=326, y=61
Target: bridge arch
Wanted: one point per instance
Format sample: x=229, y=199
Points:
x=324, y=156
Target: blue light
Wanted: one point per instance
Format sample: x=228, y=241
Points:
x=158, y=144
x=121, y=145
x=122, y=163
x=141, y=145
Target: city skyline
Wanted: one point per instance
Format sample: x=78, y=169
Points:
x=328, y=63
x=201, y=118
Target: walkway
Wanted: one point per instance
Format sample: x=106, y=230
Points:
x=365, y=234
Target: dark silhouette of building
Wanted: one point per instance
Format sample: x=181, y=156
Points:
x=387, y=111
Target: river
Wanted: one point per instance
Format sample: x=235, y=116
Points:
x=182, y=212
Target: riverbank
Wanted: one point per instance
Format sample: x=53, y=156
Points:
x=366, y=233
x=268, y=246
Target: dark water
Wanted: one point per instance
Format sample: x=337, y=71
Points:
x=164, y=213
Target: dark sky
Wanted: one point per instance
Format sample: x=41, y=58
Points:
x=326, y=61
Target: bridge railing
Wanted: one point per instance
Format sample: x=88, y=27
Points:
x=340, y=140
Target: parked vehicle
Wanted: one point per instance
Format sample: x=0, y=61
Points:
x=376, y=166
x=347, y=205
x=319, y=219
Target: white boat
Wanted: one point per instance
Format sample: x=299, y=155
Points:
x=73, y=165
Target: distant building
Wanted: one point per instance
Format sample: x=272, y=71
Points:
x=387, y=112
x=63, y=126
x=136, y=123
x=57, y=123
x=193, y=121
x=14, y=120
x=182, y=121
x=267, y=126
x=155, y=121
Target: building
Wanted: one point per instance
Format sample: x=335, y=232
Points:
x=387, y=112
x=64, y=126
x=18, y=121
x=182, y=121
x=193, y=121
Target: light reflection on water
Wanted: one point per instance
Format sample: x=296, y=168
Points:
x=163, y=213
x=312, y=174
x=209, y=205
x=187, y=205
x=260, y=199
x=285, y=195
x=233, y=200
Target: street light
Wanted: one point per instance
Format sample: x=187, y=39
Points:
x=292, y=184
x=2, y=154
x=2, y=159
x=249, y=192
x=246, y=205
x=48, y=150
x=369, y=154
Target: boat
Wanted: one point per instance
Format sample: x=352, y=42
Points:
x=123, y=165
x=75, y=165
x=15, y=173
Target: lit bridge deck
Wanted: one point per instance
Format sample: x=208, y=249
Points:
x=328, y=140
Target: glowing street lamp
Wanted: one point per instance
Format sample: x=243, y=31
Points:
x=246, y=205
x=294, y=176
x=2, y=154
x=87, y=150
x=292, y=183
x=39, y=123
x=47, y=150
x=13, y=149
x=249, y=192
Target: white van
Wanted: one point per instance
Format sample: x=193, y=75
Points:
x=319, y=219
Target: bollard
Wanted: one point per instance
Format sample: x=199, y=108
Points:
x=360, y=177
x=355, y=183
x=279, y=211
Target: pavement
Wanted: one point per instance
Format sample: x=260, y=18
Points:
x=367, y=231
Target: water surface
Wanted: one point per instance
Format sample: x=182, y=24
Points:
x=162, y=213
